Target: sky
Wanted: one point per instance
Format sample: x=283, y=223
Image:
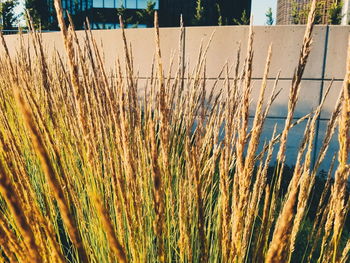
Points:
x=259, y=8
x=19, y=10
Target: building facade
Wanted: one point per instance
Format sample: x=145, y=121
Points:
x=284, y=9
x=103, y=14
x=228, y=10
x=296, y=11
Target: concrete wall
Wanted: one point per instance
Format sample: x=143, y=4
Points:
x=326, y=62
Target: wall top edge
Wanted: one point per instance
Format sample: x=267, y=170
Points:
x=274, y=27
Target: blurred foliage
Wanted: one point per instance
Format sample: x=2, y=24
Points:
x=324, y=15
x=7, y=14
x=244, y=20
x=269, y=17
x=40, y=13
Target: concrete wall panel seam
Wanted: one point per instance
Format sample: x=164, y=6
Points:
x=321, y=95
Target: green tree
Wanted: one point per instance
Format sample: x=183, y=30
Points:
x=7, y=14
x=220, y=23
x=269, y=17
x=335, y=13
x=300, y=12
x=295, y=13
x=199, y=15
x=122, y=11
x=146, y=16
x=332, y=16
x=39, y=12
x=244, y=20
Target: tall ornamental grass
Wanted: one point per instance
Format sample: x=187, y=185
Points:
x=94, y=168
